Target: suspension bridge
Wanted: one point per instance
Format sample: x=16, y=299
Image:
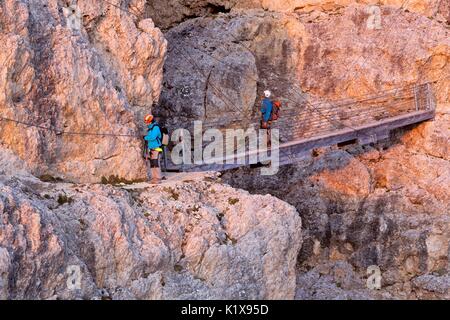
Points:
x=302, y=130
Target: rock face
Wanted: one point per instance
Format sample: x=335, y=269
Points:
x=388, y=208
x=246, y=51
x=98, y=79
x=386, y=204
x=184, y=240
x=431, y=8
x=169, y=13
x=298, y=56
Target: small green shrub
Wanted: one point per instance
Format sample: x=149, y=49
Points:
x=115, y=180
x=83, y=224
x=195, y=208
x=220, y=216
x=178, y=268
x=232, y=240
x=63, y=199
x=233, y=201
x=173, y=194
x=49, y=178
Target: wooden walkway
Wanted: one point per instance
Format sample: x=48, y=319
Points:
x=363, y=121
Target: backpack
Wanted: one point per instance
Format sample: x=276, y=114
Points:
x=276, y=111
x=165, y=139
x=165, y=136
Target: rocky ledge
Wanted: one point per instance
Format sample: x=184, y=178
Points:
x=186, y=239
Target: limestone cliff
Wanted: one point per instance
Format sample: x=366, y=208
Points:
x=386, y=204
x=169, y=13
x=97, y=79
x=192, y=239
x=306, y=57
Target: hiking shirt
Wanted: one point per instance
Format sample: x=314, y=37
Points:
x=154, y=136
x=266, y=109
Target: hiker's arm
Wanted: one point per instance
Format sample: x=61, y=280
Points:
x=153, y=134
x=150, y=135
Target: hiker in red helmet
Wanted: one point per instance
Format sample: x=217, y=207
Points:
x=154, y=140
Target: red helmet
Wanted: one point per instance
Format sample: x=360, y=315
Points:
x=148, y=119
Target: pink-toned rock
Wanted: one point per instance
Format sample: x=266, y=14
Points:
x=99, y=79
x=168, y=13
x=192, y=240
x=353, y=179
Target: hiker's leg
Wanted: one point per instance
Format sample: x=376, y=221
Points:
x=156, y=176
x=160, y=173
x=155, y=168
